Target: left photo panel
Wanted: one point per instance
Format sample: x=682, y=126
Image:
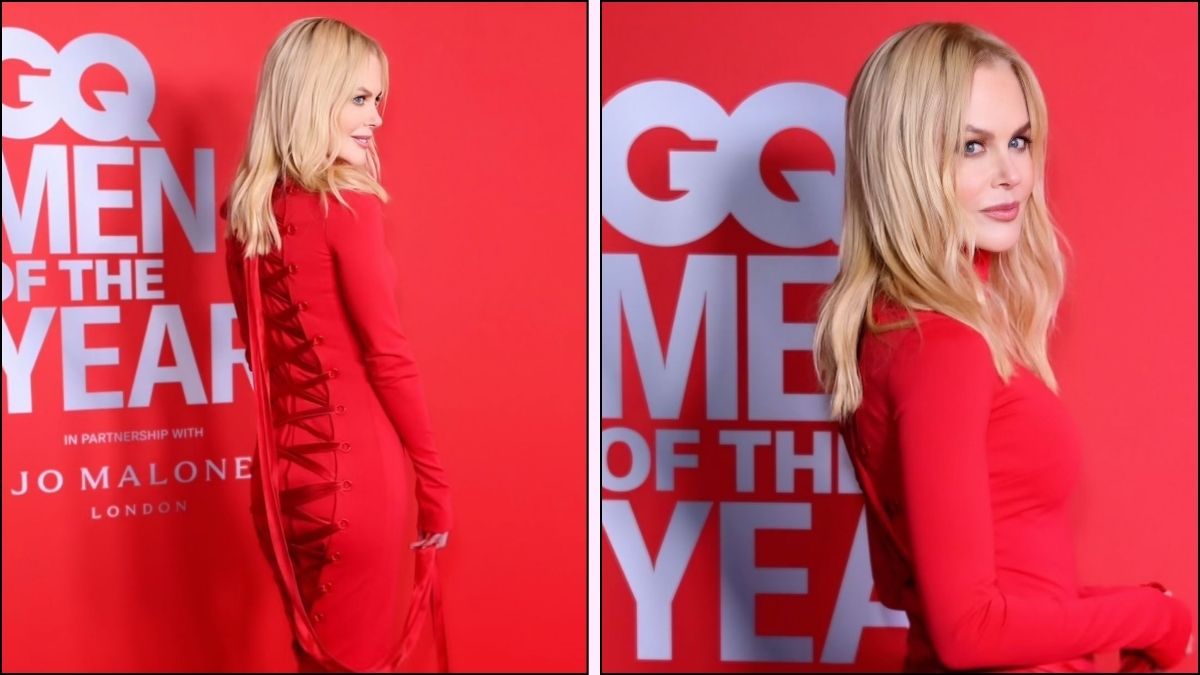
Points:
x=295, y=337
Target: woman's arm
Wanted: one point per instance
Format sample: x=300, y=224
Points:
x=367, y=278
x=942, y=383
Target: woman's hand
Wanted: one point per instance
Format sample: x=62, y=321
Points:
x=1136, y=660
x=431, y=539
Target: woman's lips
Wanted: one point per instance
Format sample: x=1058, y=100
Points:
x=1003, y=215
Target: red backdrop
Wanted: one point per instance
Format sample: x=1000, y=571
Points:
x=721, y=152
x=109, y=107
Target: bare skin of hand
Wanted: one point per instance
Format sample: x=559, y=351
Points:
x=431, y=540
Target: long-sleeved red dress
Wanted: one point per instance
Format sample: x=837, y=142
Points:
x=967, y=482
x=341, y=405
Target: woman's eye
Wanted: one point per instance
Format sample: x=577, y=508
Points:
x=358, y=98
x=967, y=146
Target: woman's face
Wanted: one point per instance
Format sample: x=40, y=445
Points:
x=994, y=164
x=360, y=115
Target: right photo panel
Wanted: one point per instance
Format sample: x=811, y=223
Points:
x=898, y=337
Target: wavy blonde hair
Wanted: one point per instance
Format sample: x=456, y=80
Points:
x=306, y=80
x=905, y=235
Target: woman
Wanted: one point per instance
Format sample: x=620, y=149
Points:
x=338, y=396
x=950, y=262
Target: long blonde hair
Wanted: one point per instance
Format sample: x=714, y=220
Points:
x=306, y=79
x=906, y=237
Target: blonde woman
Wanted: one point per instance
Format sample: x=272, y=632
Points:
x=338, y=396
x=931, y=343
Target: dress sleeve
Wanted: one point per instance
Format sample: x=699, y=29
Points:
x=367, y=278
x=942, y=383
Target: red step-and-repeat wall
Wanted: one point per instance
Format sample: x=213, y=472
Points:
x=733, y=529
x=128, y=421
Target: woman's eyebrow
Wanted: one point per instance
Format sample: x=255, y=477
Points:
x=368, y=91
x=988, y=134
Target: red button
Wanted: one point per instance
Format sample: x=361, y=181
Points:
x=335, y=556
x=343, y=524
x=327, y=586
x=333, y=373
x=344, y=447
x=346, y=485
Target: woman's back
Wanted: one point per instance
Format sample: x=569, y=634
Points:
x=345, y=404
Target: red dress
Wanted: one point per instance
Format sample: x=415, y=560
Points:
x=968, y=483
x=342, y=404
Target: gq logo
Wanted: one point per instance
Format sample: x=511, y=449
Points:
x=726, y=180
x=56, y=96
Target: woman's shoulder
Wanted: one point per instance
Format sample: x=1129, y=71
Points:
x=346, y=206
x=355, y=201
x=358, y=195
x=348, y=192
x=926, y=332
x=889, y=313
x=934, y=353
